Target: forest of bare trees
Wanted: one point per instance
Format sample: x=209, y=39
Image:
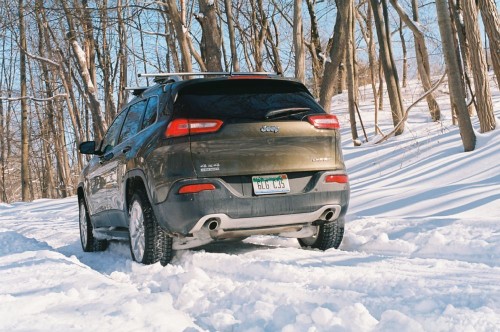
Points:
x=64, y=64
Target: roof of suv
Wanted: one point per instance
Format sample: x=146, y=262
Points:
x=180, y=84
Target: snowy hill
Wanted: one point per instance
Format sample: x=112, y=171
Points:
x=421, y=252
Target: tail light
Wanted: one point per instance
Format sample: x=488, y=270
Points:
x=196, y=188
x=184, y=127
x=324, y=121
x=337, y=178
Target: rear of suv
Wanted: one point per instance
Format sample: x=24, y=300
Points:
x=189, y=162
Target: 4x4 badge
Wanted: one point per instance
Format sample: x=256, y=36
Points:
x=270, y=129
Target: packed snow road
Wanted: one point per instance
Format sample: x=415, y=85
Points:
x=391, y=274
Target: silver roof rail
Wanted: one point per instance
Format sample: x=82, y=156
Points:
x=163, y=76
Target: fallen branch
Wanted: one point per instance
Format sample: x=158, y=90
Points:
x=405, y=117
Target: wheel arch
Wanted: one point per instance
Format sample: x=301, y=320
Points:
x=81, y=194
x=135, y=180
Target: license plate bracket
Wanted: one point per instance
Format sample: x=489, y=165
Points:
x=270, y=184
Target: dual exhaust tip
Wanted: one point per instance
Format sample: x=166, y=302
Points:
x=214, y=223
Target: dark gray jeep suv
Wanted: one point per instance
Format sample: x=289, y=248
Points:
x=188, y=162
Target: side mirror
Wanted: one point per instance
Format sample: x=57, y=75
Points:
x=88, y=147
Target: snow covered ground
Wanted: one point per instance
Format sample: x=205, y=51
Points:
x=421, y=253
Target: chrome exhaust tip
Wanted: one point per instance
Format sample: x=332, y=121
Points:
x=327, y=215
x=213, y=224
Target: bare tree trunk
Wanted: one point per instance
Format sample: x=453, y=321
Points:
x=341, y=81
x=47, y=182
x=232, y=36
x=47, y=186
x=275, y=58
x=380, y=86
x=88, y=41
x=457, y=97
x=317, y=56
x=330, y=75
x=462, y=51
x=390, y=71
x=351, y=87
x=122, y=58
x=62, y=152
x=259, y=33
x=405, y=55
x=298, y=41
x=99, y=124
x=3, y=196
x=45, y=42
x=181, y=34
x=479, y=69
x=210, y=40
x=491, y=20
x=422, y=55
x=170, y=40
x=3, y=136
x=25, y=139
x=373, y=64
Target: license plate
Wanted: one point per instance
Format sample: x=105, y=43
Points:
x=270, y=184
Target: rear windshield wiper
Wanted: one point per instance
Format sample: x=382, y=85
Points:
x=286, y=112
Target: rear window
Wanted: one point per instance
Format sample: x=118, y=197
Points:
x=246, y=100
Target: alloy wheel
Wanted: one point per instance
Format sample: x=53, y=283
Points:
x=137, y=231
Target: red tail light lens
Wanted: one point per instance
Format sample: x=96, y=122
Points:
x=196, y=188
x=337, y=178
x=184, y=127
x=324, y=121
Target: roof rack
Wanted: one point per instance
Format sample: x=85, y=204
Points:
x=137, y=90
x=160, y=77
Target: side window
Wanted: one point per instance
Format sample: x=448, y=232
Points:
x=151, y=111
x=132, y=123
x=111, y=137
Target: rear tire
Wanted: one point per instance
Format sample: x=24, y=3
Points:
x=328, y=235
x=87, y=239
x=148, y=242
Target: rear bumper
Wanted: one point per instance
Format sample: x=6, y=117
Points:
x=185, y=214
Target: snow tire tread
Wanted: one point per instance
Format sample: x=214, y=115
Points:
x=329, y=236
x=158, y=245
x=93, y=244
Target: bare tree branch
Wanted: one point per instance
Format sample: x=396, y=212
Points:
x=35, y=99
x=405, y=117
